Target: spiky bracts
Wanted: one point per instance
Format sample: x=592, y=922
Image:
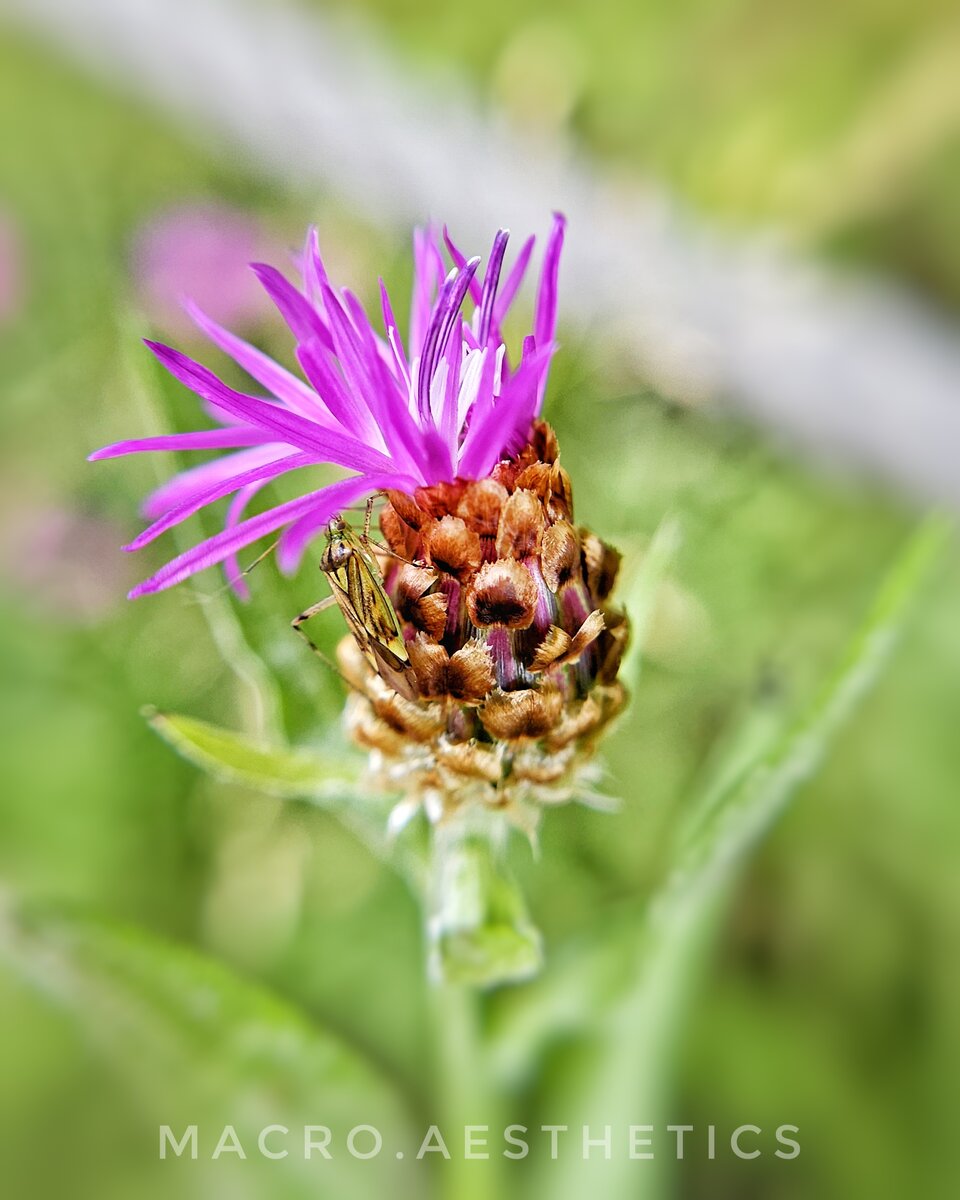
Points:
x=513, y=644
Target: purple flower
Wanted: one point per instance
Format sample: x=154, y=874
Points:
x=45, y=554
x=200, y=251
x=446, y=404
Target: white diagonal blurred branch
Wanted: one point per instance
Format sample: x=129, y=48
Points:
x=853, y=371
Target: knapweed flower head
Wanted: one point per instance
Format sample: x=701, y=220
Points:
x=503, y=670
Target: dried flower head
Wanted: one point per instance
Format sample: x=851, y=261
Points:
x=506, y=672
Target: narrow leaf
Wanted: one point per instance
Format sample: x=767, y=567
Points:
x=196, y=1045
x=639, y=1035
x=276, y=770
x=643, y=590
x=329, y=779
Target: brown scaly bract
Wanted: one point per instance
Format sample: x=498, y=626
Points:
x=514, y=647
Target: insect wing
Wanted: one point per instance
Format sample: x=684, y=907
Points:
x=367, y=609
x=371, y=604
x=350, y=615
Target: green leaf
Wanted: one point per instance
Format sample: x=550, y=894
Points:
x=329, y=780
x=276, y=770
x=632, y=1066
x=196, y=1044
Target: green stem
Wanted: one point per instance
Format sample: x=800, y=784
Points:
x=478, y=930
x=463, y=1092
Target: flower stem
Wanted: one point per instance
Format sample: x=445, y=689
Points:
x=464, y=1094
x=478, y=930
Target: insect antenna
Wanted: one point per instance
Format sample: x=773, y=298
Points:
x=371, y=542
x=385, y=550
x=206, y=597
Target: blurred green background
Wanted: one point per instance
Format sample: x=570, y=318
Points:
x=833, y=1002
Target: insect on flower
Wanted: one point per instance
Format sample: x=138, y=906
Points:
x=357, y=588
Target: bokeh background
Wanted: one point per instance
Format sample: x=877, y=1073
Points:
x=833, y=999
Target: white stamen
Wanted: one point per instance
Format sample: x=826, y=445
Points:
x=498, y=370
x=469, y=383
x=398, y=357
x=438, y=386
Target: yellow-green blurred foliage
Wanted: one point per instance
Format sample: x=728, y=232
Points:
x=833, y=1002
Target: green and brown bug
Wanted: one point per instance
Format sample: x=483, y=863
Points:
x=357, y=588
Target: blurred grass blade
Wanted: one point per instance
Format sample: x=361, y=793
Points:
x=643, y=591
x=757, y=796
x=276, y=770
x=578, y=980
x=752, y=735
x=196, y=1044
x=140, y=381
x=633, y=1064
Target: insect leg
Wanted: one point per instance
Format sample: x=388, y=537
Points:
x=367, y=517
x=307, y=615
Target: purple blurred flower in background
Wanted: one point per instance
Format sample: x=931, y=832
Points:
x=11, y=270
x=446, y=404
x=200, y=251
x=46, y=548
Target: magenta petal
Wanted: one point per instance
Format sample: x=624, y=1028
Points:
x=453, y=356
x=491, y=279
x=231, y=564
x=401, y=430
x=445, y=313
x=545, y=313
x=340, y=399
x=197, y=479
x=427, y=274
x=300, y=315
x=338, y=496
x=502, y=426
x=506, y=294
x=521, y=396
x=366, y=371
x=276, y=379
x=460, y=261
x=393, y=335
x=224, y=487
x=356, y=360
x=231, y=438
x=377, y=350
x=313, y=270
x=486, y=422
x=222, y=545
x=328, y=445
